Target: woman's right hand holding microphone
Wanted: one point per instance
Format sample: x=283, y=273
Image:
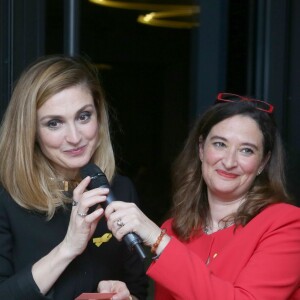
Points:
x=123, y=218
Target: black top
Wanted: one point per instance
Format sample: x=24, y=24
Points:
x=26, y=236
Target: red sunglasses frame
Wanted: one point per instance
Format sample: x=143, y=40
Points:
x=242, y=98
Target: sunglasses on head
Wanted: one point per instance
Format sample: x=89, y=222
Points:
x=258, y=104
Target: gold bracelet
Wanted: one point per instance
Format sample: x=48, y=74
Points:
x=156, y=244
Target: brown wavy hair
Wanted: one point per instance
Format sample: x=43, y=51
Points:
x=190, y=208
x=25, y=172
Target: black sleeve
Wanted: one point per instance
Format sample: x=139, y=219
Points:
x=20, y=285
x=134, y=268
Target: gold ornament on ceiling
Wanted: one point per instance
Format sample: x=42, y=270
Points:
x=182, y=16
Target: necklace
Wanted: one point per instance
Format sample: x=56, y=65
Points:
x=210, y=229
x=67, y=185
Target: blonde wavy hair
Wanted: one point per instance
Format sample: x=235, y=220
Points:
x=25, y=172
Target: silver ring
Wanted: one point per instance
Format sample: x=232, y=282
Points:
x=74, y=203
x=120, y=223
x=82, y=215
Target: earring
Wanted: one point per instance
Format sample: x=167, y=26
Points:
x=259, y=172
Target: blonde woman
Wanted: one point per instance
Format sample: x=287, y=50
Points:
x=51, y=245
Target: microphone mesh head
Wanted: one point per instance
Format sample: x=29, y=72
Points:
x=98, y=177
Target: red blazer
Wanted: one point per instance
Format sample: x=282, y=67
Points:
x=260, y=261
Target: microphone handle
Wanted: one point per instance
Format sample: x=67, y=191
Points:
x=131, y=239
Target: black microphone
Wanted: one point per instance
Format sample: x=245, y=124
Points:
x=98, y=179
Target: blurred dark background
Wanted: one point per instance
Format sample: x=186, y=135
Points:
x=158, y=79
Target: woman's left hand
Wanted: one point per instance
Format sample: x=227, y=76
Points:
x=115, y=286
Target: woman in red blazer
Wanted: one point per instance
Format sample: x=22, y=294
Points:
x=233, y=234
